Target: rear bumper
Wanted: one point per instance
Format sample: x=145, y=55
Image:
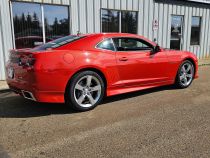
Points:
x=29, y=91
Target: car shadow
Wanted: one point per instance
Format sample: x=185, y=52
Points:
x=137, y=93
x=17, y=107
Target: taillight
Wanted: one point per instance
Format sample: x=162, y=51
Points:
x=30, y=61
x=26, y=62
x=20, y=63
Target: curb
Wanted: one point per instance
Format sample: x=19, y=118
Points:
x=4, y=90
x=206, y=64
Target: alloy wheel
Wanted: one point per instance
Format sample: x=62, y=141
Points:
x=87, y=91
x=186, y=74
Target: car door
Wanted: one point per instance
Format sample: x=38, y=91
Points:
x=136, y=63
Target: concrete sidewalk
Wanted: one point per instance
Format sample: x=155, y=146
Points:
x=4, y=86
x=204, y=62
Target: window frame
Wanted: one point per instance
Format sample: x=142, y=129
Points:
x=120, y=18
x=42, y=18
x=139, y=39
x=200, y=33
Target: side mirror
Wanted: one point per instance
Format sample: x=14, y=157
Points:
x=157, y=49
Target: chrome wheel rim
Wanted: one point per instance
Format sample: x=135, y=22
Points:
x=186, y=74
x=87, y=91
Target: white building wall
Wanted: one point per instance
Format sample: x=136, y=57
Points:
x=164, y=17
x=5, y=35
x=85, y=17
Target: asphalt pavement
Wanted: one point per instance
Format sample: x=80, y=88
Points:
x=160, y=122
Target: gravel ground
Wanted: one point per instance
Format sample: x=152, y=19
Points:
x=161, y=122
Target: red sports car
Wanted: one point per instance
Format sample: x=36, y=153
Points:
x=81, y=70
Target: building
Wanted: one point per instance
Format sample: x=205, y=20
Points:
x=176, y=24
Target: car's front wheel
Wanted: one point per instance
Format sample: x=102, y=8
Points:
x=85, y=91
x=185, y=74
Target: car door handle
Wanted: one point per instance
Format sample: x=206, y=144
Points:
x=123, y=59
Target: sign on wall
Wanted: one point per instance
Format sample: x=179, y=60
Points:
x=155, y=24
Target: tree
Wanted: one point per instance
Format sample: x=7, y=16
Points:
x=55, y=26
x=35, y=21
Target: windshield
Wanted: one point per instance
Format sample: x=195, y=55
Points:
x=58, y=42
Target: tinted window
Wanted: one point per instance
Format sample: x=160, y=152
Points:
x=27, y=24
x=129, y=22
x=195, y=31
x=58, y=42
x=110, y=21
x=106, y=44
x=131, y=44
x=56, y=21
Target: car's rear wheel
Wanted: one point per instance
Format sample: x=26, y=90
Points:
x=86, y=90
x=185, y=74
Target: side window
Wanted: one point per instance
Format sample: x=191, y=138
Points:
x=195, y=30
x=106, y=44
x=131, y=44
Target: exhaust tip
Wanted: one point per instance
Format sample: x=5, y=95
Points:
x=28, y=95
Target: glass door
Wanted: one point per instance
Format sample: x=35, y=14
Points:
x=176, y=32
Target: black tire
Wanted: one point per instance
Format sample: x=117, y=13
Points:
x=178, y=82
x=70, y=98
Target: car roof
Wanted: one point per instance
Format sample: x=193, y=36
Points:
x=113, y=35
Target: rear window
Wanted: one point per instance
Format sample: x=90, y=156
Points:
x=58, y=42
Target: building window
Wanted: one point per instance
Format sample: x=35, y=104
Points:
x=35, y=24
x=129, y=22
x=195, y=31
x=110, y=20
x=56, y=21
x=119, y=21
